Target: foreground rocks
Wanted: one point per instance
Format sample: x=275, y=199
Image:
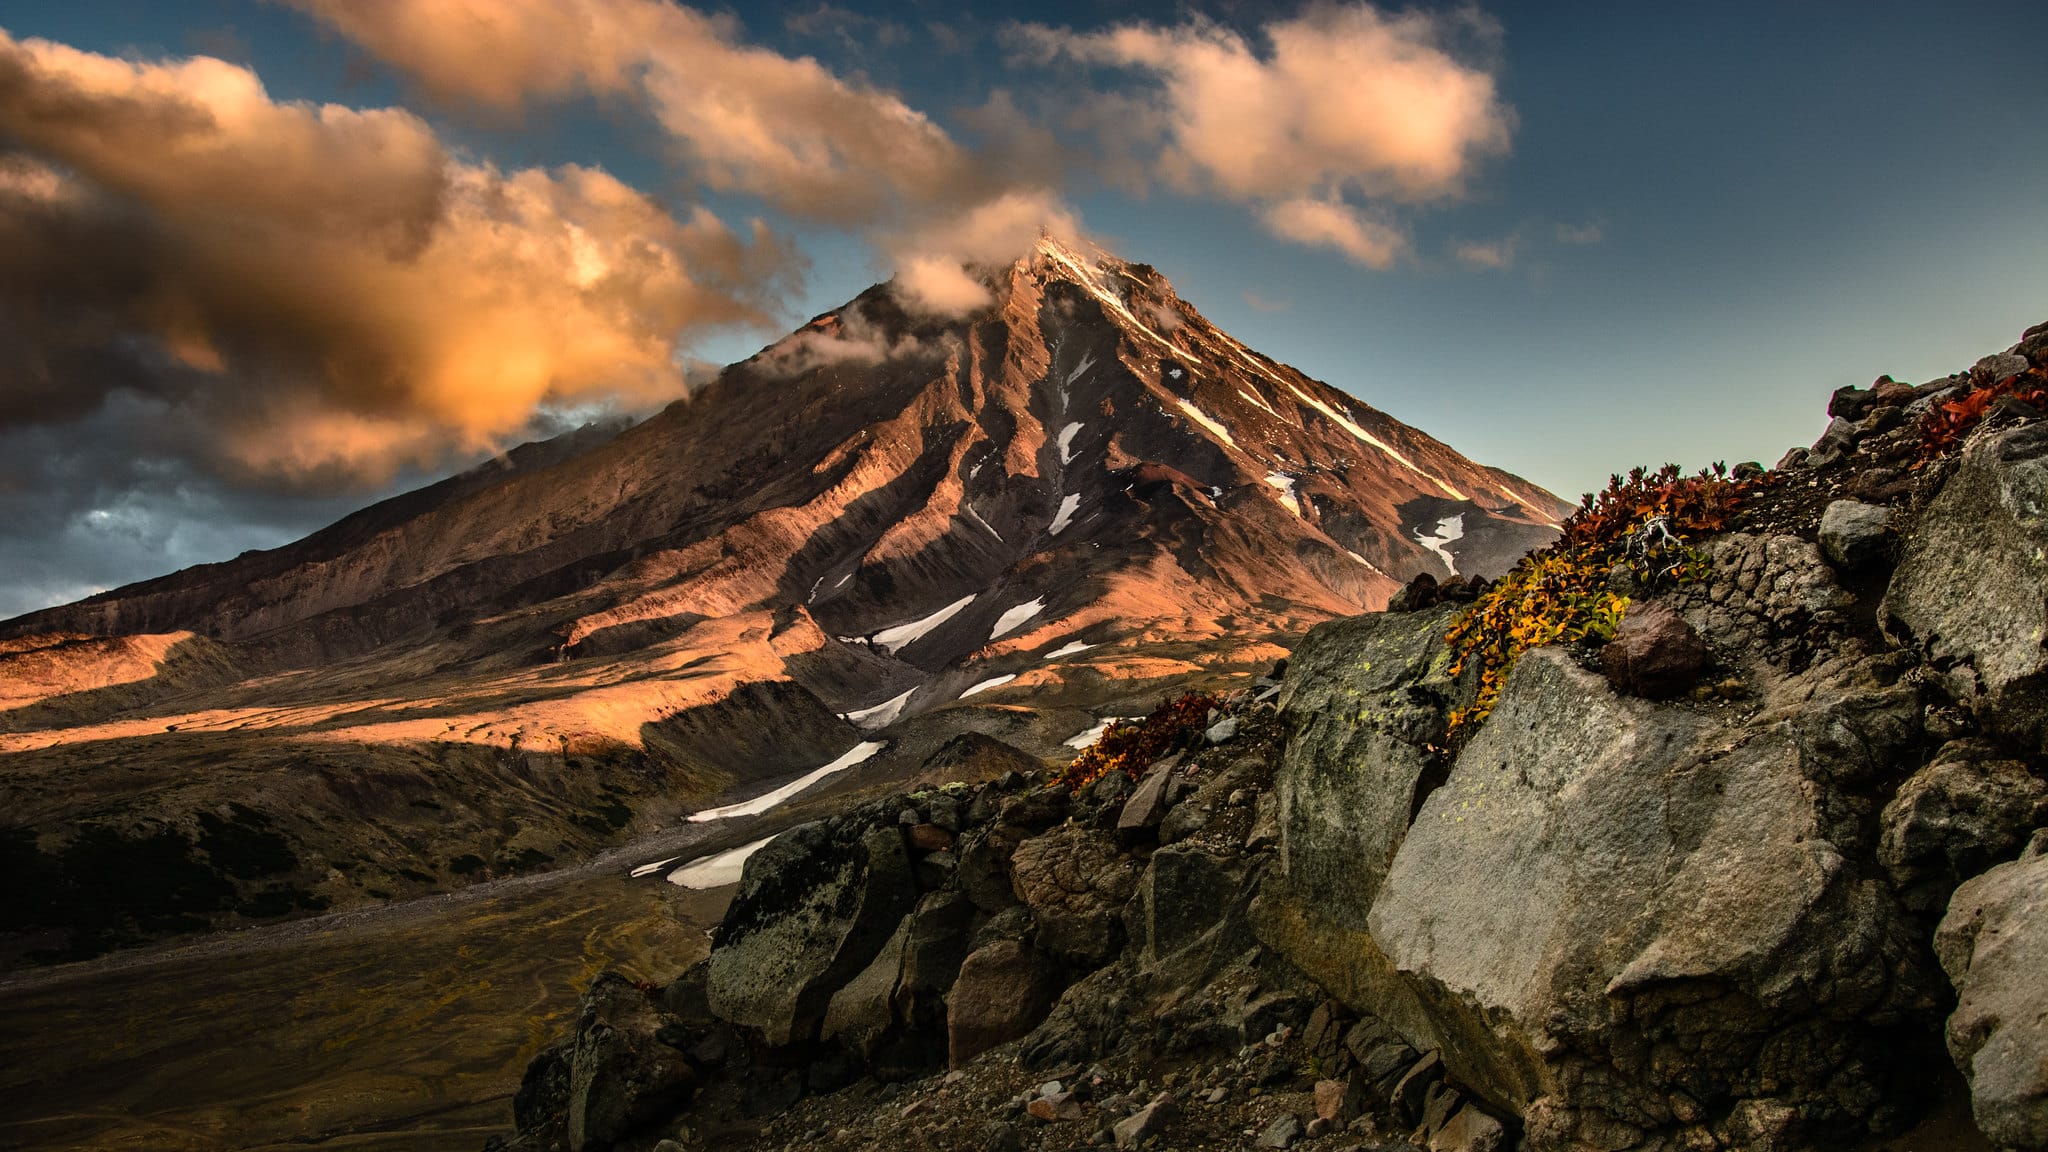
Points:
x=1751, y=876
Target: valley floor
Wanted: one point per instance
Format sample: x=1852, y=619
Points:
x=405, y=1027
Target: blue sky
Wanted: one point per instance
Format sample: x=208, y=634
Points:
x=1705, y=218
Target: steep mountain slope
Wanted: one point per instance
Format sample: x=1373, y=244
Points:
x=1083, y=491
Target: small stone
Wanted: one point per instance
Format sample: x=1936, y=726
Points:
x=1319, y=1127
x=1330, y=1100
x=1145, y=1123
x=1281, y=1133
x=1238, y=798
x=1469, y=1130
x=1222, y=731
x=1217, y=1095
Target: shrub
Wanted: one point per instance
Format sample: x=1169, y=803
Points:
x=1128, y=747
x=1564, y=594
x=1947, y=424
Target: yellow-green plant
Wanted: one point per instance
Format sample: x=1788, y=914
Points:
x=1565, y=593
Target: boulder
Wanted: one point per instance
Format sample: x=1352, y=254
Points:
x=1365, y=702
x=1674, y=907
x=1655, y=654
x=1076, y=884
x=1854, y=534
x=813, y=908
x=1148, y=804
x=1971, y=586
x=862, y=1013
x=1004, y=990
x=934, y=945
x=1992, y=944
x=620, y=1075
x=1961, y=814
x=983, y=869
x=1997, y=366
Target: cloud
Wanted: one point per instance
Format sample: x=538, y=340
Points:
x=1328, y=223
x=938, y=263
x=1578, y=233
x=324, y=295
x=749, y=120
x=1487, y=254
x=1259, y=303
x=1339, y=103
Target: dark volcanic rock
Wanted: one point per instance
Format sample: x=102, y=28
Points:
x=621, y=1075
x=813, y=907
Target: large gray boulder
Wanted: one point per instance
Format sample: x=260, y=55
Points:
x=813, y=908
x=1972, y=583
x=1994, y=945
x=1966, y=811
x=1365, y=701
x=1620, y=915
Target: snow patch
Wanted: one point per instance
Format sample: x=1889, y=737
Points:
x=1285, y=484
x=881, y=715
x=1067, y=441
x=1009, y=620
x=716, y=871
x=1254, y=398
x=1070, y=648
x=1204, y=419
x=1087, y=362
x=1364, y=561
x=991, y=682
x=969, y=509
x=1447, y=529
x=1087, y=736
x=651, y=869
x=894, y=640
x=1064, y=517
x=858, y=754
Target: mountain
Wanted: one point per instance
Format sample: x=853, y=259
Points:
x=1053, y=508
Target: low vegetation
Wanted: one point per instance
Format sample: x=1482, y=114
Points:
x=1128, y=746
x=1636, y=534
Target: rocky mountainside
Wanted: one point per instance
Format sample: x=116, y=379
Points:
x=1720, y=824
x=884, y=528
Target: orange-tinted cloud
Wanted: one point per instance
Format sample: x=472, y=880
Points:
x=327, y=287
x=747, y=120
x=1343, y=102
x=1334, y=224
x=750, y=120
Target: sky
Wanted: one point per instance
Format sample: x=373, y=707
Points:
x=264, y=261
